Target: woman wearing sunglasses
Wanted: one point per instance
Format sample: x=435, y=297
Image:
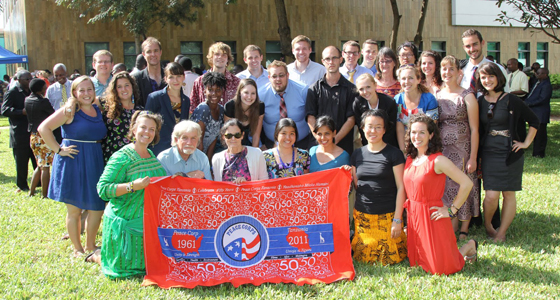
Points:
x=238, y=163
x=502, y=139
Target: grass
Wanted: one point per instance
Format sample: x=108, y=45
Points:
x=35, y=264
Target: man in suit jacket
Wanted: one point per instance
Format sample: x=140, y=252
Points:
x=14, y=108
x=150, y=79
x=539, y=101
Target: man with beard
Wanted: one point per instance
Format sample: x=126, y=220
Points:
x=473, y=45
x=183, y=158
x=150, y=79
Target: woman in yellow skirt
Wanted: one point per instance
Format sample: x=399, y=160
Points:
x=377, y=170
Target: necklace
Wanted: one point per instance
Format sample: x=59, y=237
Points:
x=284, y=165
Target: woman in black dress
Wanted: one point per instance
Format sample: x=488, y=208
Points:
x=502, y=139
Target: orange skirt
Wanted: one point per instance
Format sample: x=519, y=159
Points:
x=43, y=154
x=372, y=240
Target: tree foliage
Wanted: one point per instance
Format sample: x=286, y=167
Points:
x=137, y=15
x=541, y=15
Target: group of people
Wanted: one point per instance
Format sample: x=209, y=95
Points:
x=420, y=138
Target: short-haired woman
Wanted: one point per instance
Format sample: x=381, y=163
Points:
x=238, y=163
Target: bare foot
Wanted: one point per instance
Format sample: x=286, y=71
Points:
x=65, y=237
x=94, y=257
x=499, y=238
x=78, y=253
x=472, y=254
x=463, y=235
x=491, y=233
x=92, y=250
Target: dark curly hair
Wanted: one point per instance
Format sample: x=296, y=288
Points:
x=434, y=145
x=214, y=79
x=112, y=103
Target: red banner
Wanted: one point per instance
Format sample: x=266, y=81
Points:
x=292, y=230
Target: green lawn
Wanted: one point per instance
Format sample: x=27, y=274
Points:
x=35, y=264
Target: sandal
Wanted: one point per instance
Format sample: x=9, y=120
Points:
x=473, y=258
x=466, y=234
x=89, y=257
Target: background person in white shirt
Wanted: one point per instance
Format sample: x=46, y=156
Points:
x=304, y=69
x=517, y=81
x=54, y=92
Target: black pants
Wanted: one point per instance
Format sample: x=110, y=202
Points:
x=539, y=143
x=21, y=156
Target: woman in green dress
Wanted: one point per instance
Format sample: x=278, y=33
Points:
x=122, y=184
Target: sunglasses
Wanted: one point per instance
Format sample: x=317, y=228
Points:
x=236, y=135
x=491, y=110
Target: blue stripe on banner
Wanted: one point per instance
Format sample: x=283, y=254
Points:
x=294, y=240
x=187, y=244
x=197, y=245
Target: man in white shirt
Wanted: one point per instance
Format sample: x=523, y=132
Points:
x=351, y=70
x=473, y=45
x=517, y=80
x=252, y=56
x=190, y=76
x=59, y=92
x=370, y=48
x=303, y=69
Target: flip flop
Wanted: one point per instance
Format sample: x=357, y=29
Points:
x=466, y=234
x=473, y=258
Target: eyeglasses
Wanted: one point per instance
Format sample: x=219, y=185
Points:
x=355, y=53
x=406, y=55
x=491, y=110
x=329, y=59
x=385, y=61
x=237, y=135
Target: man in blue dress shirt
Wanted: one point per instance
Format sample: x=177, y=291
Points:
x=294, y=95
x=183, y=158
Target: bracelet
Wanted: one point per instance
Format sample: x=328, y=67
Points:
x=451, y=214
x=130, y=187
x=398, y=221
x=453, y=205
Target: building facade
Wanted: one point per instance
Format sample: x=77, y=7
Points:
x=49, y=34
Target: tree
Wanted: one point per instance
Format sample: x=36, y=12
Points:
x=418, y=36
x=541, y=15
x=284, y=31
x=396, y=22
x=137, y=15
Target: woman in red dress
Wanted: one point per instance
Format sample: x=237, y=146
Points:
x=431, y=240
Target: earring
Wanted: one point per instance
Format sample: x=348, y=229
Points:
x=132, y=99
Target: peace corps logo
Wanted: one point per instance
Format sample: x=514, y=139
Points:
x=241, y=241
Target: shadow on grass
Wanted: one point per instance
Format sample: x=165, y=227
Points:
x=551, y=163
x=534, y=232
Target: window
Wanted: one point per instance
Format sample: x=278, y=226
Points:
x=542, y=54
x=233, y=46
x=193, y=50
x=129, y=50
x=273, y=52
x=494, y=50
x=381, y=44
x=523, y=53
x=439, y=47
x=90, y=49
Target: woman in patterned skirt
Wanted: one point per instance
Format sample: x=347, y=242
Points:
x=377, y=171
x=122, y=184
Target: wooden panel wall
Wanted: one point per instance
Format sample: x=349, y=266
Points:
x=55, y=34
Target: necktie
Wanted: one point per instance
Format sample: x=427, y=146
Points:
x=283, y=110
x=64, y=95
x=533, y=89
x=351, y=75
x=510, y=80
x=473, y=79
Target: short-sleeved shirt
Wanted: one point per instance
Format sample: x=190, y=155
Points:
x=315, y=165
x=261, y=81
x=428, y=105
x=310, y=75
x=333, y=101
x=212, y=131
x=298, y=166
x=173, y=163
x=230, y=113
x=198, y=94
x=377, y=189
x=390, y=91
